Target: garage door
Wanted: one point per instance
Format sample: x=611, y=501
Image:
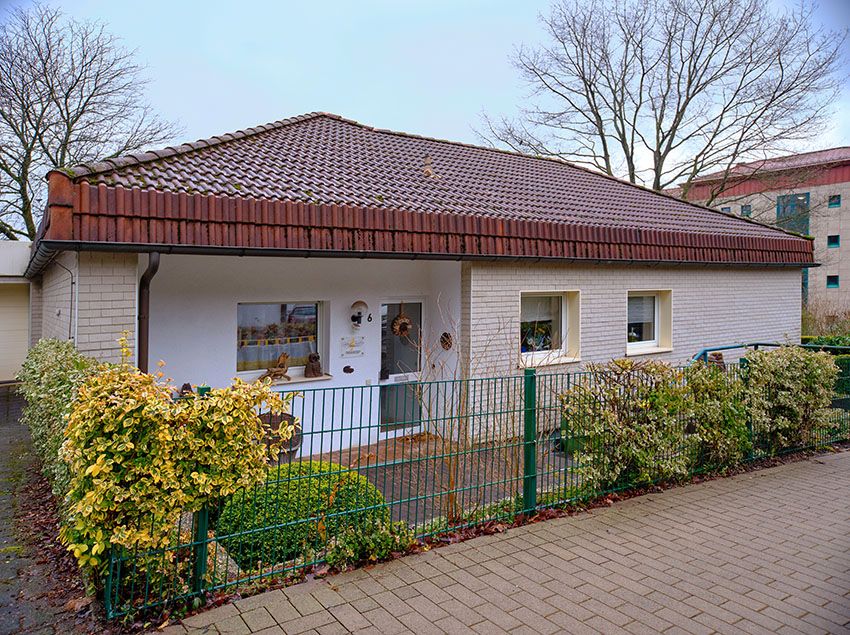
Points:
x=14, y=328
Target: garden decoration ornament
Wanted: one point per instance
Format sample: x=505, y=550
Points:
x=401, y=324
x=314, y=366
x=278, y=371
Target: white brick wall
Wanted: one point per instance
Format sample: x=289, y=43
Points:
x=36, y=312
x=107, y=303
x=56, y=297
x=104, y=302
x=711, y=307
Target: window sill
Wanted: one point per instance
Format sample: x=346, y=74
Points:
x=294, y=379
x=654, y=350
x=300, y=379
x=559, y=360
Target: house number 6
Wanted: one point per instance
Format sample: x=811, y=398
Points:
x=369, y=318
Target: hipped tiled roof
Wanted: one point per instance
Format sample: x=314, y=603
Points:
x=319, y=182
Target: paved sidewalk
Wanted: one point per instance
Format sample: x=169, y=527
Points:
x=765, y=552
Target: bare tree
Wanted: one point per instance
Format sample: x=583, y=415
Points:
x=69, y=93
x=659, y=91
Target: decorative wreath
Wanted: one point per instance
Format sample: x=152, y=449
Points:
x=401, y=324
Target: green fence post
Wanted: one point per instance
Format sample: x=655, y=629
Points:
x=743, y=364
x=107, y=586
x=200, y=545
x=529, y=471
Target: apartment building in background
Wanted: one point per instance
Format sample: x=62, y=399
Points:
x=807, y=193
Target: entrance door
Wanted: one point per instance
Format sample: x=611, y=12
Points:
x=401, y=359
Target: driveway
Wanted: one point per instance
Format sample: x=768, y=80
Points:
x=764, y=552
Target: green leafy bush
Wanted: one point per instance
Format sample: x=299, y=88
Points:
x=829, y=340
x=353, y=546
x=842, y=384
x=633, y=416
x=297, y=511
x=138, y=458
x=719, y=415
x=50, y=377
x=788, y=396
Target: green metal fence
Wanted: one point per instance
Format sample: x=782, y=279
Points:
x=439, y=456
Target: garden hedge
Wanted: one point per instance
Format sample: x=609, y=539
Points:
x=788, y=394
x=296, y=512
x=50, y=377
x=842, y=384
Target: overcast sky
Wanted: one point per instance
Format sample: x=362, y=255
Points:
x=428, y=67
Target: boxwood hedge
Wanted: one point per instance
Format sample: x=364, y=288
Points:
x=299, y=509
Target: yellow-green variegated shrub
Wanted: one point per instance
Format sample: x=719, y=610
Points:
x=719, y=418
x=138, y=458
x=626, y=421
x=788, y=396
x=50, y=376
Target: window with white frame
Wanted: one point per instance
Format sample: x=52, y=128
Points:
x=649, y=321
x=548, y=326
x=266, y=330
x=642, y=312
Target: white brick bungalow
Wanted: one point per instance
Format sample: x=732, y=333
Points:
x=219, y=255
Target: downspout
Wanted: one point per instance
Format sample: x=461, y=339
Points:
x=144, y=309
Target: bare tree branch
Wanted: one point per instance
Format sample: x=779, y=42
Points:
x=69, y=94
x=661, y=91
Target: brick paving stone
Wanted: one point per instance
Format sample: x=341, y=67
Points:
x=305, y=603
x=257, y=619
x=462, y=613
x=233, y=626
x=282, y=610
x=764, y=552
x=383, y=621
x=350, y=618
x=392, y=603
x=452, y=626
x=497, y=616
x=211, y=617
x=328, y=597
x=307, y=623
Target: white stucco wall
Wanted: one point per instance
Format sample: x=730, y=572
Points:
x=194, y=324
x=194, y=300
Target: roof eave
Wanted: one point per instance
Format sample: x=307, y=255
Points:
x=48, y=248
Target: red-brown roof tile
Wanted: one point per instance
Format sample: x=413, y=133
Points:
x=321, y=183
x=323, y=158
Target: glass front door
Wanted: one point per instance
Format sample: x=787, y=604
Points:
x=401, y=358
